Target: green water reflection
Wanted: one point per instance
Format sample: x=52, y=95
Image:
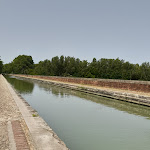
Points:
x=23, y=87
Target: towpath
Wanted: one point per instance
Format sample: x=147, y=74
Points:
x=19, y=130
x=9, y=116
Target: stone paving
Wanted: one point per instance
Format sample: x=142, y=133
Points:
x=9, y=112
x=19, y=135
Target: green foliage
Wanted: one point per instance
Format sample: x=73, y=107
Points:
x=145, y=71
x=35, y=115
x=8, y=68
x=1, y=66
x=20, y=65
x=24, y=88
x=70, y=66
x=43, y=68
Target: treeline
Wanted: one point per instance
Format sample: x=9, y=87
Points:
x=70, y=66
x=1, y=66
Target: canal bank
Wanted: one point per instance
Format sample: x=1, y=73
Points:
x=20, y=125
x=123, y=90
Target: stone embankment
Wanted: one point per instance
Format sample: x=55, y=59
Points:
x=20, y=126
x=126, y=90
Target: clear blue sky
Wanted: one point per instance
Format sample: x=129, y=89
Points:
x=79, y=28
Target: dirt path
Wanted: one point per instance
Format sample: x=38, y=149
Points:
x=9, y=113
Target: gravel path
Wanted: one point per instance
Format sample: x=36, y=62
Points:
x=9, y=112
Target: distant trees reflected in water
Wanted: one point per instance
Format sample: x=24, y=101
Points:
x=22, y=86
x=57, y=91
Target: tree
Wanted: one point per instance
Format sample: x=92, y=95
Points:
x=61, y=66
x=145, y=71
x=70, y=66
x=43, y=68
x=22, y=64
x=84, y=69
x=127, y=71
x=93, y=69
x=54, y=66
x=1, y=66
x=8, y=68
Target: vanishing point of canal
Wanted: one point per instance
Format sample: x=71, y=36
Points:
x=88, y=122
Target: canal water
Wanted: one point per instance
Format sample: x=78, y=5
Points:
x=88, y=122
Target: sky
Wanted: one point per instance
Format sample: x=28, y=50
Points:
x=78, y=28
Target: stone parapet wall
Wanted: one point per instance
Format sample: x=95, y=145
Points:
x=140, y=86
